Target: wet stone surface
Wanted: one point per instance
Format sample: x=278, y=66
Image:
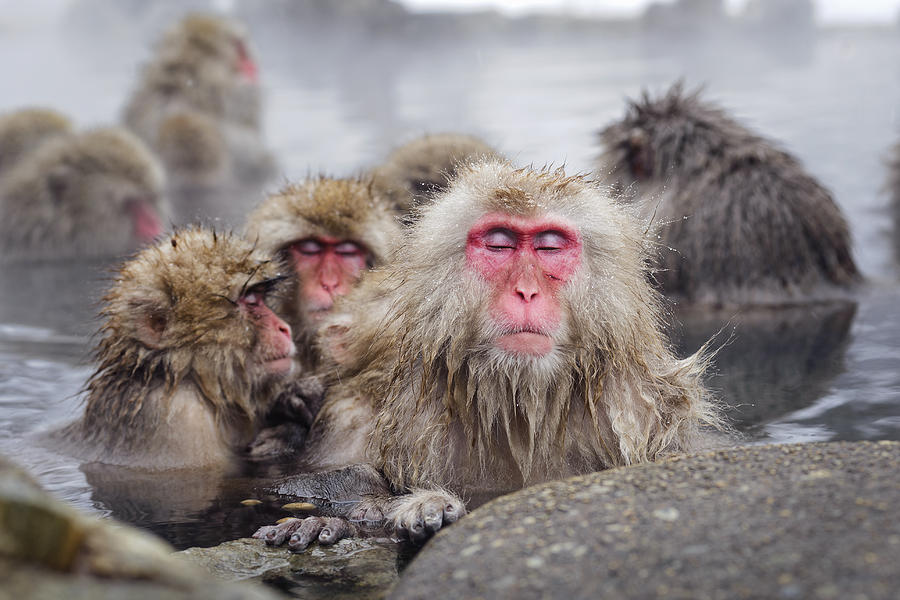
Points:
x=780, y=521
x=357, y=568
x=50, y=550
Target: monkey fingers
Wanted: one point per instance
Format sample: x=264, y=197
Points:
x=274, y=535
x=418, y=516
x=327, y=530
x=368, y=511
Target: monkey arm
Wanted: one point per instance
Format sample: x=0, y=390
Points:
x=359, y=496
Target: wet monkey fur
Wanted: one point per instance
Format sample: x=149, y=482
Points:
x=741, y=222
x=187, y=350
x=93, y=195
x=514, y=339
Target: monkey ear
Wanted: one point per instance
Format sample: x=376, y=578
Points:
x=151, y=327
x=58, y=181
x=640, y=155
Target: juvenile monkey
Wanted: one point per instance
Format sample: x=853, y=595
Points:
x=187, y=349
x=520, y=342
x=97, y=194
x=742, y=222
x=198, y=105
x=420, y=169
x=22, y=131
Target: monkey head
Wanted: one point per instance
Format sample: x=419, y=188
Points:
x=212, y=40
x=418, y=170
x=673, y=135
x=94, y=194
x=194, y=306
x=327, y=231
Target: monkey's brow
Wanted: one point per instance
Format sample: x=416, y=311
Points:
x=267, y=285
x=253, y=273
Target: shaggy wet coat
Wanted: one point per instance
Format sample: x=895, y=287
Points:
x=740, y=221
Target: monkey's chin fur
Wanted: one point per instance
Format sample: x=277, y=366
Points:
x=280, y=367
x=525, y=342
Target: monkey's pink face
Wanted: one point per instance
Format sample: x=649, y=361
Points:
x=275, y=345
x=327, y=268
x=245, y=64
x=525, y=261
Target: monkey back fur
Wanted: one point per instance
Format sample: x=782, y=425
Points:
x=740, y=221
x=23, y=130
x=68, y=198
x=452, y=409
x=421, y=168
x=182, y=295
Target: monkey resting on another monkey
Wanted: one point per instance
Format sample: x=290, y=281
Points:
x=198, y=105
x=521, y=343
x=327, y=232
x=187, y=348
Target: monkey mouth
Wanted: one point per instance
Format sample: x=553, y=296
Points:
x=525, y=340
x=281, y=364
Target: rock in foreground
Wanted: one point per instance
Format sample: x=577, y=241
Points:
x=781, y=521
x=361, y=569
x=49, y=550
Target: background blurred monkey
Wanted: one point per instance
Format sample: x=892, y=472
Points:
x=420, y=169
x=198, y=104
x=742, y=222
x=97, y=194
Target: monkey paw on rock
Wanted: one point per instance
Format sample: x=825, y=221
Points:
x=413, y=517
x=419, y=515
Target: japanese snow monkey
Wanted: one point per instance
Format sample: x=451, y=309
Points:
x=741, y=221
x=327, y=231
x=97, y=194
x=187, y=349
x=514, y=339
x=198, y=104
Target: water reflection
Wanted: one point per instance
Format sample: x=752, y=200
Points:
x=770, y=362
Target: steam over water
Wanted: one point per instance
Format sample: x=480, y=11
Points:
x=339, y=103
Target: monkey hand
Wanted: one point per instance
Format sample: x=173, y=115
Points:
x=419, y=515
x=300, y=533
x=299, y=401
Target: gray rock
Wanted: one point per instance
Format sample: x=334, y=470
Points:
x=49, y=550
x=781, y=521
x=357, y=568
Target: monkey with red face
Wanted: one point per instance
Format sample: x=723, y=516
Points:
x=189, y=348
x=513, y=339
x=327, y=232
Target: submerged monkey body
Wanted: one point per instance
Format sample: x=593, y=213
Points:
x=187, y=353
